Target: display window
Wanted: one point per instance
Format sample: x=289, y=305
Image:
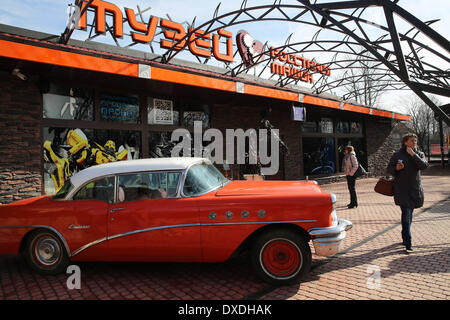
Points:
x=160, y=144
x=68, y=103
x=195, y=112
x=119, y=108
x=308, y=126
x=162, y=112
x=355, y=127
x=319, y=156
x=67, y=151
x=325, y=125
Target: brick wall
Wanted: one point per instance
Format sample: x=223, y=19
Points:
x=20, y=142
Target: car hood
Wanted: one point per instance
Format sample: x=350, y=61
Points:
x=247, y=188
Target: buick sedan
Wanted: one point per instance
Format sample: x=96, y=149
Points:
x=174, y=210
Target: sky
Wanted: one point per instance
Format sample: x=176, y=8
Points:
x=51, y=16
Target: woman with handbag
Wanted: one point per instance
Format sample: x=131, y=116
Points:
x=349, y=167
x=405, y=166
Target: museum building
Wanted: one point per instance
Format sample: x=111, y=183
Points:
x=64, y=107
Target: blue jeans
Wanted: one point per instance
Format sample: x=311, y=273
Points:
x=407, y=215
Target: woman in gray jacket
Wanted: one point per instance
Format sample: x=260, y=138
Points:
x=349, y=167
x=405, y=166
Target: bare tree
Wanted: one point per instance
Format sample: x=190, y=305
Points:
x=364, y=79
x=423, y=122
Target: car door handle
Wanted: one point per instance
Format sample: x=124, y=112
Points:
x=116, y=209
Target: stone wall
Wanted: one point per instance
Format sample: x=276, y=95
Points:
x=20, y=152
x=383, y=139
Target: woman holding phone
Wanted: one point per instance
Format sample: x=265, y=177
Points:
x=405, y=166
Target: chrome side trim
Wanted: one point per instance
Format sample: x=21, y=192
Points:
x=86, y=246
x=90, y=244
x=66, y=246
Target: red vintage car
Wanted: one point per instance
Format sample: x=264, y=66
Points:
x=173, y=209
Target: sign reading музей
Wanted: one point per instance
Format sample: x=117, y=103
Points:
x=199, y=43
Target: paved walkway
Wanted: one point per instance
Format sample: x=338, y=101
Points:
x=372, y=265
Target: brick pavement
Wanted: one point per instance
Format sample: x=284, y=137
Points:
x=372, y=245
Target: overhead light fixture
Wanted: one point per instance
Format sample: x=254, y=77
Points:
x=16, y=72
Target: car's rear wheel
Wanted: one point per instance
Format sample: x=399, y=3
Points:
x=281, y=257
x=45, y=253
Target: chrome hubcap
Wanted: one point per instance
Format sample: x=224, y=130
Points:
x=47, y=250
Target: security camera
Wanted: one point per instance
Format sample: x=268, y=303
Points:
x=16, y=72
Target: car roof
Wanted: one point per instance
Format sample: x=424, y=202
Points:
x=154, y=164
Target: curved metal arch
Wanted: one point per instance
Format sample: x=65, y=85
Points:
x=328, y=16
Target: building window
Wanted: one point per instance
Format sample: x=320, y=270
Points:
x=160, y=144
x=68, y=103
x=195, y=112
x=67, y=151
x=119, y=108
x=162, y=112
x=355, y=127
x=319, y=156
x=326, y=125
x=342, y=127
x=309, y=126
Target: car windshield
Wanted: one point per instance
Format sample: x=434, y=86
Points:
x=202, y=178
x=65, y=189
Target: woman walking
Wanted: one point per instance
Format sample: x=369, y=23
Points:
x=405, y=166
x=349, y=166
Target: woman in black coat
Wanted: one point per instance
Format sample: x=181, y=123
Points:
x=405, y=166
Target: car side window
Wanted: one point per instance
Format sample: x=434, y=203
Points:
x=147, y=185
x=101, y=189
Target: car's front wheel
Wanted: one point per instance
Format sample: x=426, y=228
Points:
x=281, y=257
x=45, y=253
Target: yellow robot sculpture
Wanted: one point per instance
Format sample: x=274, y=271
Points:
x=80, y=155
x=108, y=153
x=79, y=146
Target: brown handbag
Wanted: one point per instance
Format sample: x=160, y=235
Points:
x=385, y=186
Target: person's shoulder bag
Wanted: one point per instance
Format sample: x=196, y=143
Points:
x=360, y=171
x=385, y=186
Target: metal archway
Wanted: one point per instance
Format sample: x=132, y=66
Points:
x=397, y=69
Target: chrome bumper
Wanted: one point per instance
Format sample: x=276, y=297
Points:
x=327, y=241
